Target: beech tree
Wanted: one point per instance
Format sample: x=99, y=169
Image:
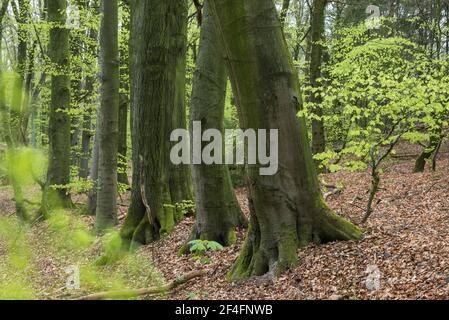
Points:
x=106, y=213
x=153, y=102
x=316, y=56
x=287, y=209
x=217, y=210
x=58, y=173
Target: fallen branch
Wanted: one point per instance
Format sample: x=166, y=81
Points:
x=145, y=291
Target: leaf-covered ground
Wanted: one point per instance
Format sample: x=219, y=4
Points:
x=407, y=239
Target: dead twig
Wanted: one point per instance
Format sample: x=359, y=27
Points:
x=145, y=291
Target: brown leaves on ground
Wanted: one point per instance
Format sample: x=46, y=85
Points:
x=406, y=240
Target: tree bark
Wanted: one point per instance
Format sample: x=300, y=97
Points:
x=106, y=213
x=218, y=213
x=287, y=209
x=87, y=133
x=124, y=104
x=59, y=124
x=153, y=91
x=316, y=57
x=420, y=162
x=284, y=11
x=180, y=180
x=17, y=104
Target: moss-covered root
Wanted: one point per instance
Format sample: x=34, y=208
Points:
x=259, y=257
x=275, y=253
x=331, y=227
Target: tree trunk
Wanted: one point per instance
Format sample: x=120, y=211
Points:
x=124, y=102
x=122, y=139
x=151, y=213
x=180, y=180
x=427, y=152
x=287, y=209
x=17, y=105
x=106, y=213
x=284, y=11
x=59, y=124
x=93, y=175
x=5, y=129
x=217, y=211
x=316, y=57
x=87, y=134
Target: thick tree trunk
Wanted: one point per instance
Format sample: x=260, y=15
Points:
x=218, y=213
x=180, y=180
x=59, y=123
x=151, y=213
x=316, y=57
x=106, y=213
x=287, y=209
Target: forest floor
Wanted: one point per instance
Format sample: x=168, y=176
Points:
x=406, y=239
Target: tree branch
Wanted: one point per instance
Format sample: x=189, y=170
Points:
x=145, y=291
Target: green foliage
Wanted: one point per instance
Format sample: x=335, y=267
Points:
x=185, y=207
x=376, y=92
x=199, y=248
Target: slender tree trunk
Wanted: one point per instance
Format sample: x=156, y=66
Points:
x=218, y=213
x=106, y=216
x=59, y=123
x=151, y=212
x=316, y=57
x=122, y=138
x=287, y=209
x=5, y=129
x=284, y=11
x=124, y=105
x=87, y=134
x=21, y=210
x=17, y=106
x=93, y=175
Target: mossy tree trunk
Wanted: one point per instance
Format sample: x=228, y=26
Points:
x=287, y=209
x=218, y=213
x=426, y=154
x=153, y=91
x=59, y=123
x=316, y=58
x=106, y=212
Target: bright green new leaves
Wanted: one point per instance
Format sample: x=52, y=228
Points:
x=377, y=92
